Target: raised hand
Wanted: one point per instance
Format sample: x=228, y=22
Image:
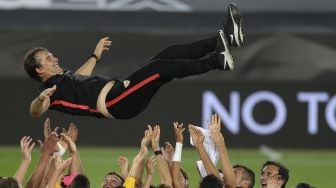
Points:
x=168, y=152
x=49, y=146
x=196, y=135
x=70, y=143
x=103, y=45
x=178, y=130
x=45, y=94
x=215, y=129
x=155, y=137
x=146, y=139
x=47, y=129
x=124, y=165
x=26, y=147
x=72, y=132
x=215, y=124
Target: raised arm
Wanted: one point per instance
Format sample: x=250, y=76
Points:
x=70, y=137
x=50, y=167
x=60, y=166
x=26, y=148
x=150, y=163
x=161, y=162
x=41, y=103
x=47, y=151
x=215, y=130
x=89, y=65
x=198, y=138
x=135, y=170
x=178, y=130
x=124, y=166
x=76, y=164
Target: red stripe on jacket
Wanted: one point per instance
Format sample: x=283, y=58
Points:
x=132, y=89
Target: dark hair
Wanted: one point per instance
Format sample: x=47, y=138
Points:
x=304, y=185
x=30, y=63
x=248, y=174
x=211, y=181
x=116, y=174
x=80, y=181
x=163, y=186
x=8, y=182
x=283, y=171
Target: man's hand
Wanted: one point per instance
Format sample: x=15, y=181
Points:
x=168, y=152
x=46, y=94
x=72, y=132
x=26, y=147
x=102, y=46
x=49, y=146
x=155, y=137
x=71, y=144
x=124, y=166
x=178, y=130
x=42, y=102
x=215, y=129
x=196, y=135
x=146, y=139
x=47, y=129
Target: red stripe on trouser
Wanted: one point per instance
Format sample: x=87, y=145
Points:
x=132, y=89
x=72, y=105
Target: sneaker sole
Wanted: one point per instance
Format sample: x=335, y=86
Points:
x=228, y=59
x=237, y=24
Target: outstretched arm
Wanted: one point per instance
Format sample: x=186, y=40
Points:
x=215, y=130
x=198, y=138
x=89, y=65
x=41, y=103
x=47, y=151
x=70, y=137
x=26, y=148
x=60, y=165
x=178, y=130
x=76, y=164
x=150, y=163
x=161, y=162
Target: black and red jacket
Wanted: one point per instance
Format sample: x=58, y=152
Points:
x=75, y=94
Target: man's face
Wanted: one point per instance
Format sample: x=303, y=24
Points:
x=111, y=181
x=48, y=64
x=239, y=172
x=270, y=177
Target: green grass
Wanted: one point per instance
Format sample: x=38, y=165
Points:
x=314, y=166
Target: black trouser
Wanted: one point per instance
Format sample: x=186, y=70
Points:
x=175, y=61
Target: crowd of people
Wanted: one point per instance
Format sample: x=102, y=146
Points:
x=53, y=169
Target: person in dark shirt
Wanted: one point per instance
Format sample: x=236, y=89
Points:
x=80, y=93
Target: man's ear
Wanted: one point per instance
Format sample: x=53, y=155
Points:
x=280, y=181
x=39, y=70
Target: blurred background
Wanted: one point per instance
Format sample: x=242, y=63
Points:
x=281, y=93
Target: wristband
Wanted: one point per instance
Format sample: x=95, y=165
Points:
x=159, y=152
x=178, y=152
x=94, y=56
